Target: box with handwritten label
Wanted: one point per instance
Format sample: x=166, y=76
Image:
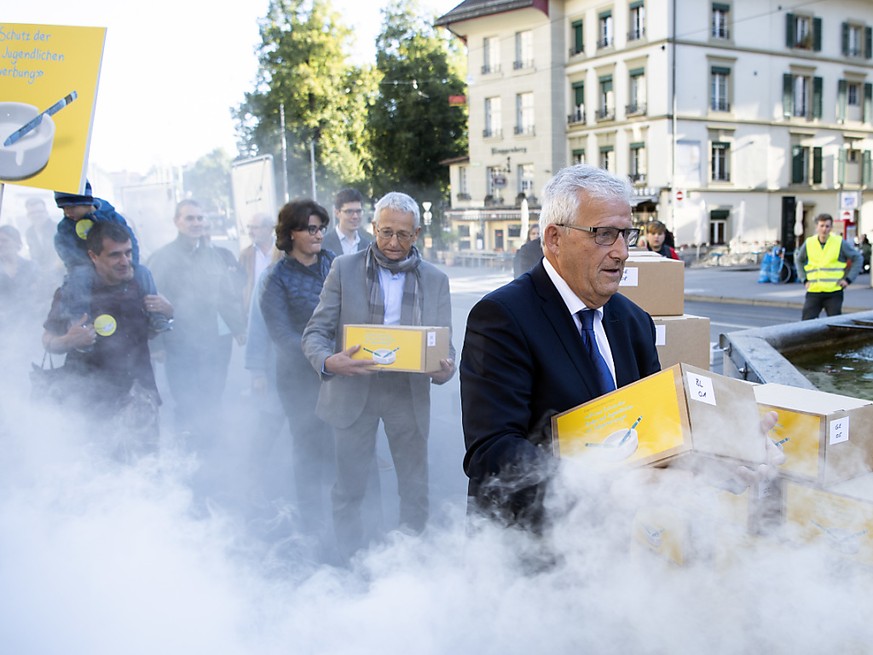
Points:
x=408, y=348
x=655, y=283
x=827, y=438
x=682, y=339
x=680, y=410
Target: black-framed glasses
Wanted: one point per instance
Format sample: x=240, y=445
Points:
x=314, y=229
x=352, y=212
x=606, y=236
x=387, y=234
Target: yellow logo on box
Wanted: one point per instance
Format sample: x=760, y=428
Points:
x=388, y=348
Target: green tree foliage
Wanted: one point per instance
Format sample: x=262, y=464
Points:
x=208, y=181
x=303, y=65
x=411, y=126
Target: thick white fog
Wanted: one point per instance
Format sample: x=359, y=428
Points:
x=163, y=555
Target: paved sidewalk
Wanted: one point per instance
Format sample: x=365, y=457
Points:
x=727, y=284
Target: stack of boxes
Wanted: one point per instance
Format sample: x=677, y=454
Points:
x=657, y=284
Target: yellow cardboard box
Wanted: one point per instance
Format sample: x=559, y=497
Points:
x=655, y=283
x=408, y=348
x=679, y=410
x=682, y=339
x=826, y=437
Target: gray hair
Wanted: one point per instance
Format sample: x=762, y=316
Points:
x=399, y=202
x=562, y=194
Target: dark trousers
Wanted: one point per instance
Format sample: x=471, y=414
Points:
x=389, y=400
x=831, y=302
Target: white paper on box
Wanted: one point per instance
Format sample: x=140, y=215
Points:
x=700, y=388
x=660, y=335
x=838, y=431
x=631, y=277
x=431, y=339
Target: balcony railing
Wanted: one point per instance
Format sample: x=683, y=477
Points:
x=721, y=33
x=527, y=130
x=489, y=133
x=463, y=196
x=636, y=34
x=488, y=69
x=605, y=42
x=635, y=109
x=605, y=114
x=720, y=105
x=520, y=64
x=576, y=51
x=637, y=178
x=578, y=116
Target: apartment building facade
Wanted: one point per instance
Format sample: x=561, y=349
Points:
x=737, y=121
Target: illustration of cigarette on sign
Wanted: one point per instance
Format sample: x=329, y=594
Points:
x=48, y=81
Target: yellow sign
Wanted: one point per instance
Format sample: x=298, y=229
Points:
x=105, y=325
x=48, y=86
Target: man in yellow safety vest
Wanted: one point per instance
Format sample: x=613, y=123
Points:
x=826, y=264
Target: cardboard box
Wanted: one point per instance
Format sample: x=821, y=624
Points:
x=827, y=438
x=682, y=339
x=408, y=348
x=677, y=411
x=655, y=283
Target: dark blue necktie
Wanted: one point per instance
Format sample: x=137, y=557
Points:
x=604, y=378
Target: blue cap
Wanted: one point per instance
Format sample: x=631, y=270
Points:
x=66, y=199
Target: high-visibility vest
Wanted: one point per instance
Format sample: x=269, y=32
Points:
x=824, y=270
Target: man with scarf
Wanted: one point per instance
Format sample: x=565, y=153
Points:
x=386, y=284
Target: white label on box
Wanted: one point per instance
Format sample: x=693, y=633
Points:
x=631, y=277
x=431, y=339
x=700, y=388
x=660, y=335
x=839, y=430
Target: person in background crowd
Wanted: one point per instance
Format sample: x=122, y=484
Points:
x=530, y=253
x=20, y=284
x=348, y=236
x=826, y=264
x=205, y=285
x=257, y=257
x=865, y=249
x=386, y=284
x=656, y=235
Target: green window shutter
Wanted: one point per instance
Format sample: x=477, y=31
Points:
x=638, y=3
x=841, y=167
x=720, y=70
x=796, y=164
x=636, y=72
x=579, y=93
x=816, y=34
x=817, y=168
x=787, y=82
x=578, y=33
x=817, y=84
x=868, y=102
x=841, y=100
x=789, y=30
x=845, y=38
x=717, y=6
x=868, y=43
x=866, y=172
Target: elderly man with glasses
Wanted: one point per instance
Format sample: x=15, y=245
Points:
x=347, y=236
x=551, y=339
x=205, y=285
x=386, y=284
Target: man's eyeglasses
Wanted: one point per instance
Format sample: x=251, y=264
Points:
x=606, y=236
x=313, y=229
x=352, y=212
x=386, y=235
x=191, y=218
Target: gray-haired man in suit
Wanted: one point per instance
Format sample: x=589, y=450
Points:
x=386, y=284
x=347, y=236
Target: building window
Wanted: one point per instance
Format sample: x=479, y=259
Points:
x=637, y=21
x=851, y=101
x=524, y=113
x=606, y=109
x=463, y=183
x=604, y=29
x=721, y=155
x=495, y=181
x=806, y=165
x=526, y=179
x=492, y=118
x=606, y=162
x=577, y=38
x=577, y=156
x=720, y=21
x=857, y=40
x=801, y=96
x=577, y=113
x=719, y=92
x=718, y=219
x=523, y=50
x=636, y=92
x=638, y=167
x=803, y=32
x=490, y=55
x=854, y=167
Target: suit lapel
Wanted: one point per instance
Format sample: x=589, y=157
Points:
x=620, y=344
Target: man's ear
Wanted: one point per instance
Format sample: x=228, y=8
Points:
x=92, y=255
x=552, y=238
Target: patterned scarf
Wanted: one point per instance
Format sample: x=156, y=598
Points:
x=410, y=310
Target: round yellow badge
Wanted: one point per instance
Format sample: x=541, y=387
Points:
x=105, y=325
x=83, y=226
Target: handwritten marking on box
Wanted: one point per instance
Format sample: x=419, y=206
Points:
x=838, y=430
x=431, y=339
x=700, y=388
x=631, y=277
x=660, y=335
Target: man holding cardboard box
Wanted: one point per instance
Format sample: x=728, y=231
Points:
x=526, y=354
x=386, y=285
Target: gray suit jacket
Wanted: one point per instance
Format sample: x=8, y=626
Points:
x=345, y=300
x=332, y=242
